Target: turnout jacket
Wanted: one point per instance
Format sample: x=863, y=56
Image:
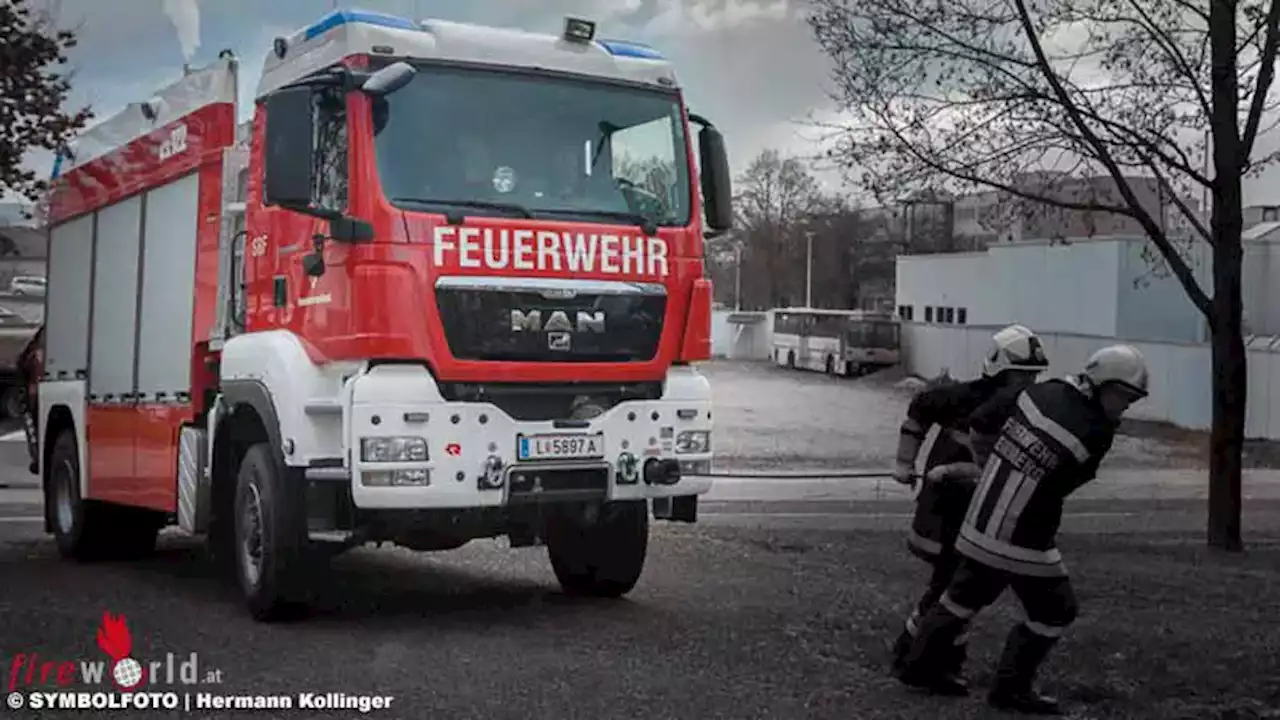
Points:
x=943, y=412
x=1051, y=444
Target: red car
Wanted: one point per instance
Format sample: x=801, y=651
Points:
x=31, y=367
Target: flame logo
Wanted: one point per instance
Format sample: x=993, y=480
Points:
x=115, y=640
x=114, y=637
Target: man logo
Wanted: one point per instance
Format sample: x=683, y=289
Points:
x=557, y=322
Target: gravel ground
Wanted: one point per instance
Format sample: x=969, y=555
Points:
x=727, y=623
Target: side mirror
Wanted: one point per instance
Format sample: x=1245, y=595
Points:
x=350, y=230
x=289, y=166
x=717, y=190
x=389, y=79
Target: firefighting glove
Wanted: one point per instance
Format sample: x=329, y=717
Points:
x=953, y=471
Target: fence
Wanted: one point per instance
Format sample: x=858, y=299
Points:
x=1181, y=377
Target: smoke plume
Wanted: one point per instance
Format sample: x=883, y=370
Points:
x=185, y=15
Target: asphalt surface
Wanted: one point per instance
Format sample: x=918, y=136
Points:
x=722, y=624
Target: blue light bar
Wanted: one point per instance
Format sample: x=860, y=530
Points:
x=338, y=18
x=622, y=48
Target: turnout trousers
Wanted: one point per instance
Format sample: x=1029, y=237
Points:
x=1050, y=606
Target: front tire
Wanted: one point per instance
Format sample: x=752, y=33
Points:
x=603, y=558
x=270, y=540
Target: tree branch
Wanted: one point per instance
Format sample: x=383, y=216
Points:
x=1266, y=75
x=1139, y=213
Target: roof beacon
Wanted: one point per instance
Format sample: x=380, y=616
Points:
x=578, y=30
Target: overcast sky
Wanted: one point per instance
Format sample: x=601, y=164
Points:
x=750, y=66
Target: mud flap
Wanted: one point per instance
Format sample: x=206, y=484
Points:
x=676, y=509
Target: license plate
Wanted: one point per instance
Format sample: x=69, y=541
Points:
x=560, y=447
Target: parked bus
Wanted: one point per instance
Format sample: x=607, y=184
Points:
x=845, y=342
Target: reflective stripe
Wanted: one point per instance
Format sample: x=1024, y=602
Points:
x=908, y=449
x=980, y=496
x=1008, y=557
x=912, y=628
x=1052, y=428
x=924, y=544
x=961, y=612
x=1013, y=513
x=1048, y=631
x=1012, y=484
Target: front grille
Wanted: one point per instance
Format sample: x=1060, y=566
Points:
x=535, y=485
x=549, y=401
x=534, y=320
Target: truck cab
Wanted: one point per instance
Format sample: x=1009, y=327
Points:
x=447, y=284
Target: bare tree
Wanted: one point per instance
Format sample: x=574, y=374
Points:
x=775, y=197
x=973, y=93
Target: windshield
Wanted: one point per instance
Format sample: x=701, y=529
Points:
x=492, y=143
x=877, y=334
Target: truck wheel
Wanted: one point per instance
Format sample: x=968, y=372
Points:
x=269, y=538
x=77, y=523
x=89, y=530
x=604, y=558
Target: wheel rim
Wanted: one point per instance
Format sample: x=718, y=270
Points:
x=64, y=503
x=251, y=536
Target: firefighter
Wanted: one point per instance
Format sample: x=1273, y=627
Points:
x=30, y=368
x=1015, y=359
x=1052, y=444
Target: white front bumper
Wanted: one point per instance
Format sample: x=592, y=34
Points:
x=399, y=401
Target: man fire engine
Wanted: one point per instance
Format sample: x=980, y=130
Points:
x=383, y=310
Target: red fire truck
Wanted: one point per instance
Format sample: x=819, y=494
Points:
x=448, y=283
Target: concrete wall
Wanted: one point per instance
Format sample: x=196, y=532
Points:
x=741, y=335
x=1180, y=372
x=1111, y=287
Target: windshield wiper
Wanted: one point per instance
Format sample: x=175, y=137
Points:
x=455, y=218
x=646, y=224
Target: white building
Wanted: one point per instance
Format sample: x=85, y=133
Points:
x=1083, y=294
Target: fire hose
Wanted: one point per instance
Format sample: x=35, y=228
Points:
x=812, y=475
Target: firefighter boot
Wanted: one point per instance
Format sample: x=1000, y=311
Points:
x=931, y=656
x=953, y=666
x=1024, y=652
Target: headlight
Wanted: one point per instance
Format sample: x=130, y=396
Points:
x=393, y=449
x=693, y=441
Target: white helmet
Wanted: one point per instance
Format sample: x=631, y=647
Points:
x=1119, y=365
x=1015, y=348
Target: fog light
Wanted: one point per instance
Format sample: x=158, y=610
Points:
x=693, y=442
x=396, y=478
x=491, y=477
x=628, y=469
